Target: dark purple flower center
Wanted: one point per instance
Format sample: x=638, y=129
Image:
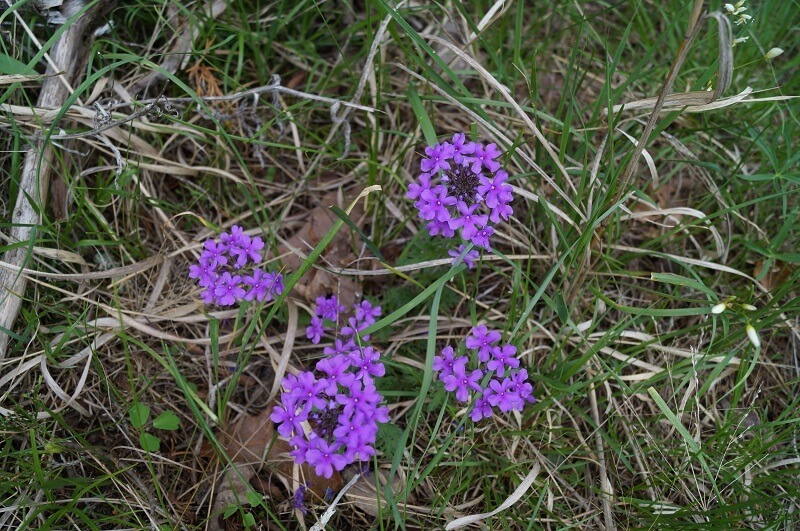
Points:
x=462, y=184
x=326, y=421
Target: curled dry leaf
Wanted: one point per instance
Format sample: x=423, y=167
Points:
x=258, y=463
x=339, y=253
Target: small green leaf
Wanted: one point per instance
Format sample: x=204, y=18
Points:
x=139, y=413
x=150, y=443
x=229, y=510
x=253, y=498
x=249, y=520
x=166, y=421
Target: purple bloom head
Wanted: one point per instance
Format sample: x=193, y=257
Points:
x=340, y=401
x=508, y=390
x=225, y=270
x=462, y=189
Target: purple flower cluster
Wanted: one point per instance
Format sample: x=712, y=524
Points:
x=339, y=404
x=224, y=274
x=470, y=193
x=508, y=389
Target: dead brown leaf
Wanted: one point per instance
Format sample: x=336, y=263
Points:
x=339, y=253
x=777, y=274
x=258, y=463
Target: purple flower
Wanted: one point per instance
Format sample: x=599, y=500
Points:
x=242, y=246
x=329, y=308
x=446, y=363
x=309, y=390
x=335, y=370
x=363, y=451
x=324, y=457
x=354, y=326
x=435, y=203
x=470, y=258
x=235, y=238
x=501, y=394
x=301, y=446
x=461, y=382
x=482, y=339
x=315, y=330
x=208, y=295
x=263, y=285
x=366, y=312
x=440, y=227
x=352, y=430
x=367, y=361
x=495, y=191
x=229, y=289
x=214, y=254
x=438, y=156
x=219, y=270
x=524, y=388
x=341, y=403
x=481, y=239
x=340, y=347
x=205, y=273
x=363, y=399
x=415, y=190
x=502, y=357
x=482, y=410
x=485, y=157
x=461, y=147
x=501, y=211
x=469, y=222
x=288, y=421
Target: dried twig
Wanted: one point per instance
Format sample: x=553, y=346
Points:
x=35, y=174
x=725, y=70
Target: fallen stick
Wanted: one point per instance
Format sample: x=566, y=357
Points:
x=68, y=57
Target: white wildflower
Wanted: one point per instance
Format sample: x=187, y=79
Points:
x=749, y=307
x=719, y=308
x=737, y=9
x=752, y=335
x=740, y=40
x=773, y=53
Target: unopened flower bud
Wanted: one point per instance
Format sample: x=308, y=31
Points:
x=752, y=335
x=749, y=307
x=773, y=53
x=719, y=308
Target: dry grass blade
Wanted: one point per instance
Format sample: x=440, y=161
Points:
x=512, y=500
x=485, y=74
x=725, y=69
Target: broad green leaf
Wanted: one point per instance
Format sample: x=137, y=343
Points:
x=139, y=413
x=253, y=498
x=166, y=421
x=150, y=443
x=229, y=510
